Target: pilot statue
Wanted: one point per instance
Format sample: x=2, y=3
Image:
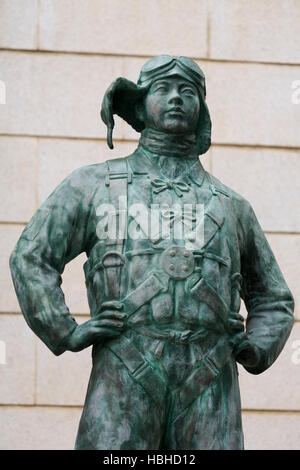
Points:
x=171, y=251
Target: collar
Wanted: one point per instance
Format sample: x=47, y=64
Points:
x=140, y=164
x=169, y=145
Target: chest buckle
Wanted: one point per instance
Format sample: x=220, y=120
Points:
x=178, y=262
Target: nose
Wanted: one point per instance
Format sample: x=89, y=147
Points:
x=174, y=97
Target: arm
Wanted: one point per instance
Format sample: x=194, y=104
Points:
x=268, y=300
x=50, y=240
x=55, y=235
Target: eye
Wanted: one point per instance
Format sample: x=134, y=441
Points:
x=188, y=91
x=162, y=87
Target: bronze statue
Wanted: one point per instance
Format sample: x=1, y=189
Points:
x=170, y=252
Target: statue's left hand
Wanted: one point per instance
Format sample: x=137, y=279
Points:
x=244, y=351
x=235, y=323
x=236, y=329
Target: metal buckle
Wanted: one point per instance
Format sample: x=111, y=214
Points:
x=178, y=262
x=112, y=259
x=114, y=175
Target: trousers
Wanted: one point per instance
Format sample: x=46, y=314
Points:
x=122, y=412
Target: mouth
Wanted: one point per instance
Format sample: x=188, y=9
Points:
x=176, y=112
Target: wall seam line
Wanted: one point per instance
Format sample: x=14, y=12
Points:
x=145, y=57
x=133, y=140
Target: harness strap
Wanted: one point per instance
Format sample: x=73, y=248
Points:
x=150, y=378
x=172, y=336
x=140, y=370
x=116, y=179
x=201, y=377
x=207, y=294
x=145, y=291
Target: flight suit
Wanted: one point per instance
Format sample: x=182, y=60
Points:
x=170, y=381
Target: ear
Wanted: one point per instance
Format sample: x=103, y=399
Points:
x=140, y=111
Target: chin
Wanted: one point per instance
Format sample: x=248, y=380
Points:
x=176, y=128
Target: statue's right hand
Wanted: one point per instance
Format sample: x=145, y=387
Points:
x=109, y=323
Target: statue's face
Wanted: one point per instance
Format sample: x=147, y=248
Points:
x=172, y=105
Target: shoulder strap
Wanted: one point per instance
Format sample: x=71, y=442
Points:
x=236, y=278
x=117, y=179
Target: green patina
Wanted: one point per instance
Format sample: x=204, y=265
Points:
x=165, y=328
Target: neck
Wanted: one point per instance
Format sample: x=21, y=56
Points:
x=172, y=145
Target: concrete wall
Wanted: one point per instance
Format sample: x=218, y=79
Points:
x=57, y=58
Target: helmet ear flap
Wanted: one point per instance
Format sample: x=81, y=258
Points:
x=121, y=98
x=203, y=133
x=107, y=113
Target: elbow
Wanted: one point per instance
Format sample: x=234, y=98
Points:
x=14, y=261
x=289, y=301
x=21, y=257
x=290, y=309
x=19, y=266
x=259, y=369
x=17, y=269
